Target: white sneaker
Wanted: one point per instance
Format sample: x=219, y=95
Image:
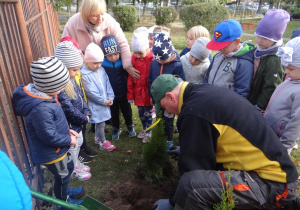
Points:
x=82, y=176
x=83, y=167
x=147, y=137
x=142, y=134
x=97, y=140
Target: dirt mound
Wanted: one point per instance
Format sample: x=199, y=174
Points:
x=136, y=194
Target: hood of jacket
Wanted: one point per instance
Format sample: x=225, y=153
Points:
x=247, y=52
x=26, y=98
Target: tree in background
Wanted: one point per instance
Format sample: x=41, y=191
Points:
x=58, y=4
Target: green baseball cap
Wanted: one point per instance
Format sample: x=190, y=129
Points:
x=161, y=85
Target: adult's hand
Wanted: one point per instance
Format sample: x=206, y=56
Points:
x=133, y=72
x=162, y=204
x=174, y=152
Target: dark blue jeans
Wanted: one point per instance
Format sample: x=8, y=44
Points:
x=145, y=114
x=62, y=171
x=169, y=127
x=121, y=103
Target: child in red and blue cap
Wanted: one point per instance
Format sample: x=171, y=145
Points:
x=232, y=67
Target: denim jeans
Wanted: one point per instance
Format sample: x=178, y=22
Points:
x=62, y=171
x=145, y=114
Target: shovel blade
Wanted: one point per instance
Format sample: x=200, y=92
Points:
x=92, y=204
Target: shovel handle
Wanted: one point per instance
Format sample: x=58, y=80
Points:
x=56, y=201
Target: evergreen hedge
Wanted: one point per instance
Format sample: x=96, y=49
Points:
x=155, y=155
x=125, y=15
x=165, y=15
x=208, y=15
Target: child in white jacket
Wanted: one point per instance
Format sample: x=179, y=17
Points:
x=195, y=63
x=99, y=93
x=283, y=111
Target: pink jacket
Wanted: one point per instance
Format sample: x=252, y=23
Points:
x=76, y=29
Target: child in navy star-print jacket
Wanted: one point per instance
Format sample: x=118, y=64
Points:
x=166, y=61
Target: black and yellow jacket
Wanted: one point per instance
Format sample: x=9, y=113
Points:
x=219, y=127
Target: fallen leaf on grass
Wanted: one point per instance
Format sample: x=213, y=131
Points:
x=128, y=151
x=126, y=161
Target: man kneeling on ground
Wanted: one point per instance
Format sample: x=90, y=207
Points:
x=220, y=129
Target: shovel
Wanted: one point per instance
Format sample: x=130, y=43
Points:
x=88, y=202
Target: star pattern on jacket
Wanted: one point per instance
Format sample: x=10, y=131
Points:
x=158, y=43
x=157, y=57
x=165, y=51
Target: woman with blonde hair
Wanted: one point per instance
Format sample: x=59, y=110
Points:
x=92, y=23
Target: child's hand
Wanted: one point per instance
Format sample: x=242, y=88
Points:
x=107, y=102
x=73, y=141
x=87, y=117
x=73, y=133
x=110, y=102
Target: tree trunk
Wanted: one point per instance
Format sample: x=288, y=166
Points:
x=259, y=7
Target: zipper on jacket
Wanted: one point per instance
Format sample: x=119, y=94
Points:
x=212, y=82
x=104, y=92
x=280, y=129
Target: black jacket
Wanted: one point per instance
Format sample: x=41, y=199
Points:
x=219, y=127
x=117, y=77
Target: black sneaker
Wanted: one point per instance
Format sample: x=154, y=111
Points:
x=90, y=152
x=84, y=158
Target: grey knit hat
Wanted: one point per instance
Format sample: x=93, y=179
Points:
x=49, y=74
x=68, y=54
x=199, y=49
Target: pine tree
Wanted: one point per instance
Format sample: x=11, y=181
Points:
x=154, y=154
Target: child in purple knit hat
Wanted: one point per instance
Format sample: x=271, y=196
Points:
x=268, y=72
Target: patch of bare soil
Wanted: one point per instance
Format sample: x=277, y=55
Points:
x=136, y=194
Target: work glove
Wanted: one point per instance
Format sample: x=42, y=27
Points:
x=162, y=204
x=174, y=152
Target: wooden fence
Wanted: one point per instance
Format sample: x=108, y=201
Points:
x=28, y=31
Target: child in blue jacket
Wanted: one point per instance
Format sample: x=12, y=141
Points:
x=99, y=93
x=118, y=79
x=166, y=61
x=48, y=134
x=232, y=66
x=73, y=103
